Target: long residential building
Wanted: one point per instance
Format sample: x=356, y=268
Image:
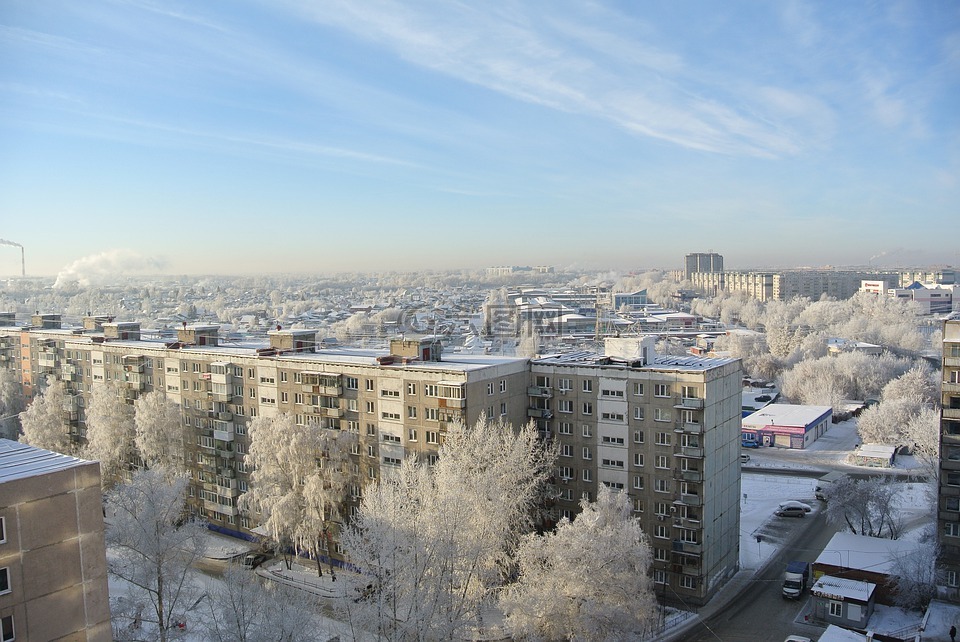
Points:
x=665, y=429
x=948, y=504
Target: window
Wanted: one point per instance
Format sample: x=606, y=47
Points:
x=661, y=414
x=612, y=416
x=389, y=393
x=953, y=580
x=503, y=409
x=370, y=407
x=586, y=453
x=951, y=529
x=638, y=506
x=663, y=439
x=587, y=430
x=390, y=438
x=391, y=461
x=660, y=531
x=564, y=405
x=433, y=437
x=587, y=475
x=612, y=393
x=688, y=392
x=638, y=436
x=3, y=530
x=661, y=509
x=662, y=462
x=283, y=377
x=953, y=504
x=661, y=486
x=616, y=441
x=612, y=463
x=661, y=390
x=565, y=384
x=431, y=414
x=503, y=385
x=6, y=628
x=638, y=482
x=368, y=385
x=565, y=428
x=638, y=413
x=490, y=388
x=240, y=429
x=566, y=450
x=638, y=389
x=352, y=383
x=688, y=582
x=411, y=412
x=284, y=397
x=638, y=459
x=836, y=609
x=411, y=388
x=613, y=485
x=587, y=408
x=588, y=385
x=565, y=472
x=390, y=416
x=4, y=581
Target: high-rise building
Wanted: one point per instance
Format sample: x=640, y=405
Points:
x=708, y=262
x=666, y=430
x=53, y=566
x=948, y=504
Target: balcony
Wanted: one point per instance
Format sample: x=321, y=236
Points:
x=224, y=416
x=691, y=451
x=540, y=392
x=539, y=413
x=691, y=475
x=223, y=435
x=953, y=362
x=694, y=429
x=951, y=413
x=224, y=454
x=229, y=473
x=334, y=413
x=444, y=402
x=690, y=403
x=950, y=386
x=691, y=500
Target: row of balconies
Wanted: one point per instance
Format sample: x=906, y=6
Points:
x=220, y=508
x=950, y=386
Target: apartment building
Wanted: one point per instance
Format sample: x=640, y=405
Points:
x=666, y=430
x=948, y=505
x=53, y=567
x=702, y=262
x=399, y=402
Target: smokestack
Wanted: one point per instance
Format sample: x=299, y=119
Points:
x=23, y=263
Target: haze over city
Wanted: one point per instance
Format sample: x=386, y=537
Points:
x=294, y=136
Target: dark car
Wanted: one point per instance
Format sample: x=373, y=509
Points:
x=749, y=443
x=253, y=560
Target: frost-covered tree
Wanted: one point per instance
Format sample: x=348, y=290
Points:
x=588, y=580
x=914, y=574
x=110, y=431
x=159, y=431
x=865, y=507
x=11, y=403
x=42, y=422
x=242, y=608
x=325, y=493
x=850, y=375
x=438, y=542
x=153, y=550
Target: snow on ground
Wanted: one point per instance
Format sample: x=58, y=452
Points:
x=759, y=497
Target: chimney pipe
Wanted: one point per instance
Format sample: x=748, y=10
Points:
x=23, y=263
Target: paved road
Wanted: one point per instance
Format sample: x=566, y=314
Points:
x=760, y=612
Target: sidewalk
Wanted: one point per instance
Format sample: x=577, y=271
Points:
x=720, y=601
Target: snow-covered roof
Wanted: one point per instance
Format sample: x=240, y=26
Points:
x=19, y=461
x=843, y=589
x=781, y=414
x=659, y=362
x=880, y=451
x=835, y=633
x=864, y=553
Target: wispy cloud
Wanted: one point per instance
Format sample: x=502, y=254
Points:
x=642, y=88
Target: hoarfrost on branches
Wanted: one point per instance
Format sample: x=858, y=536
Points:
x=865, y=507
x=588, y=580
x=159, y=431
x=42, y=422
x=110, y=431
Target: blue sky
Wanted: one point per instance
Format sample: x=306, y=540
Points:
x=280, y=136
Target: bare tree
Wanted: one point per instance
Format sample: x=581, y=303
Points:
x=554, y=598
x=110, y=431
x=42, y=421
x=159, y=431
x=154, y=547
x=865, y=507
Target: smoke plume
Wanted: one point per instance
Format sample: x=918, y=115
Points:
x=109, y=266
x=10, y=243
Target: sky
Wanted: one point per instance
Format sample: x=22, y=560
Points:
x=277, y=136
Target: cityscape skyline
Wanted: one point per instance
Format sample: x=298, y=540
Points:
x=345, y=137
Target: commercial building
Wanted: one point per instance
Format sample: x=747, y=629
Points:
x=787, y=425
x=948, y=504
x=665, y=429
x=53, y=567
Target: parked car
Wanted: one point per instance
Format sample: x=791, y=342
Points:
x=794, y=504
x=253, y=560
x=749, y=443
x=790, y=511
x=744, y=458
x=797, y=638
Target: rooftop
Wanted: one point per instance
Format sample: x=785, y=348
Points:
x=781, y=414
x=19, y=461
x=838, y=587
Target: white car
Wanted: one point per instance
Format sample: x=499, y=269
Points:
x=794, y=504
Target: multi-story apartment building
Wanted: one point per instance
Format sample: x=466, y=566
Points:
x=948, y=505
x=702, y=262
x=53, y=567
x=664, y=429
x=399, y=403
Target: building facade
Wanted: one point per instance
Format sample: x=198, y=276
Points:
x=664, y=429
x=948, y=504
x=53, y=567
x=706, y=262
